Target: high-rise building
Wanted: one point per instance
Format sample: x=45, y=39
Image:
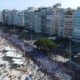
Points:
x=5, y=14
x=65, y=23
x=76, y=26
x=68, y=23
x=0, y=16
x=20, y=19
x=48, y=21
x=29, y=18
x=41, y=20
x=61, y=23
x=9, y=18
x=37, y=21
x=13, y=17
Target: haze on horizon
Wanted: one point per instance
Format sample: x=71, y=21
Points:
x=24, y=4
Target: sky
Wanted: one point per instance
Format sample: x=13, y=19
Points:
x=24, y=4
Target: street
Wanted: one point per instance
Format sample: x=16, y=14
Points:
x=51, y=67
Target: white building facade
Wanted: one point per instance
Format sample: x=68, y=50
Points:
x=0, y=16
x=61, y=23
x=48, y=21
x=37, y=21
x=20, y=19
x=5, y=15
x=65, y=23
x=29, y=18
x=13, y=17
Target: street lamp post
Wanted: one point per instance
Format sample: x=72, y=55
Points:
x=31, y=35
x=70, y=57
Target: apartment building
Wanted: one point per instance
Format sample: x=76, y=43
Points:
x=0, y=17
x=41, y=20
x=48, y=21
x=68, y=23
x=76, y=26
x=20, y=19
x=13, y=17
x=65, y=23
x=61, y=23
x=29, y=18
x=10, y=19
x=5, y=14
x=37, y=21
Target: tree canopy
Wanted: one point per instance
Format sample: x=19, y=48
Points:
x=45, y=44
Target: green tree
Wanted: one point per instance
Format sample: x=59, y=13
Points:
x=45, y=44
